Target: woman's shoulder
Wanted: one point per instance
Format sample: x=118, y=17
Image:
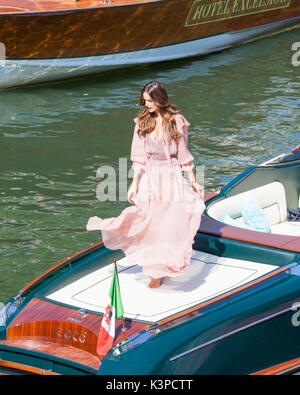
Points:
x=136, y=123
x=181, y=121
x=136, y=131
x=180, y=118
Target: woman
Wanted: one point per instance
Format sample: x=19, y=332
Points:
x=157, y=231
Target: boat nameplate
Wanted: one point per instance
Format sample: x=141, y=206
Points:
x=205, y=11
x=68, y=334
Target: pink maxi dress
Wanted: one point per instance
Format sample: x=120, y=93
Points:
x=157, y=232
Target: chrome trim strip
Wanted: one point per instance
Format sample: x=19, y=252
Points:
x=289, y=370
x=201, y=346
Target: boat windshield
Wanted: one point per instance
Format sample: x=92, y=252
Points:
x=287, y=157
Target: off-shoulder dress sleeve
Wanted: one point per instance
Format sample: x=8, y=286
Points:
x=137, y=155
x=184, y=156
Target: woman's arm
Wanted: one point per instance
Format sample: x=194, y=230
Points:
x=136, y=175
x=197, y=187
x=184, y=156
x=137, y=156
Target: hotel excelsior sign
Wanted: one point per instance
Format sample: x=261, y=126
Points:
x=205, y=11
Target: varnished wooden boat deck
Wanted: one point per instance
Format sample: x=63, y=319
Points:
x=59, y=350
x=28, y=6
x=58, y=330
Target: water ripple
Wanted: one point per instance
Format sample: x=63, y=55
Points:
x=243, y=105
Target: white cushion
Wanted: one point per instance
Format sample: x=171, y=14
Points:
x=271, y=198
x=287, y=228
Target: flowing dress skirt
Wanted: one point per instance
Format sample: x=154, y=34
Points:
x=157, y=232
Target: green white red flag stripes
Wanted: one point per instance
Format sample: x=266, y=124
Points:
x=113, y=310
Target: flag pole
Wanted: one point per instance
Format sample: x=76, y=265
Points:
x=123, y=323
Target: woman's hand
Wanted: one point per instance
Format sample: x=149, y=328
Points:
x=198, y=189
x=132, y=192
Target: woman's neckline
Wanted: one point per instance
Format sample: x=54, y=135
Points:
x=153, y=139
x=159, y=135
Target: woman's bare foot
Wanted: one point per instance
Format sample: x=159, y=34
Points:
x=154, y=282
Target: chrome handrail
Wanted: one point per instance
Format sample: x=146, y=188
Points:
x=228, y=334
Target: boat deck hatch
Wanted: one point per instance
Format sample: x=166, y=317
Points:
x=206, y=277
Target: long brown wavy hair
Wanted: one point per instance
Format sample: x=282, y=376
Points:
x=146, y=120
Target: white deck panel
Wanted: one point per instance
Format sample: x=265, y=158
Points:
x=206, y=277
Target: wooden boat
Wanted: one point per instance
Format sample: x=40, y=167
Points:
x=234, y=311
x=46, y=40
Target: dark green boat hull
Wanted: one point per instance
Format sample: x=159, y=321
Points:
x=244, y=333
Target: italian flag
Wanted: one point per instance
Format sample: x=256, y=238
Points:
x=114, y=309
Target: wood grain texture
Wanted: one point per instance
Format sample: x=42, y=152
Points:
x=84, y=29
x=25, y=368
x=48, y=326
x=58, y=350
x=280, y=368
x=25, y=6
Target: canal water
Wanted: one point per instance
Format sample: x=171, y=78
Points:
x=243, y=105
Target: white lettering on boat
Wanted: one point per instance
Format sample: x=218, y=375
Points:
x=205, y=11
